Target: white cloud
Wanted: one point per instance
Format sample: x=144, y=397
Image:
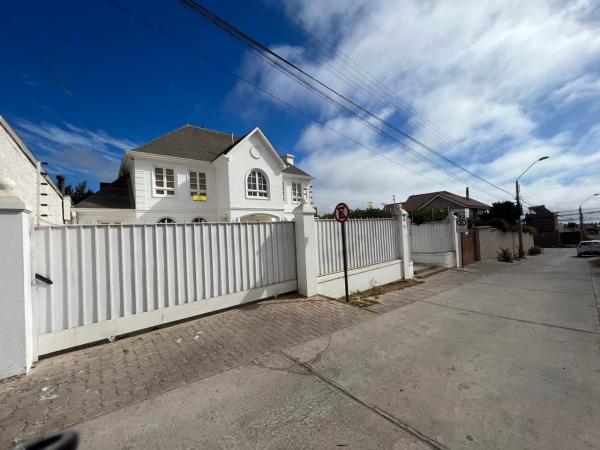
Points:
x=502, y=78
x=70, y=149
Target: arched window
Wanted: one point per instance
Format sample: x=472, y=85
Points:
x=166, y=220
x=198, y=220
x=256, y=185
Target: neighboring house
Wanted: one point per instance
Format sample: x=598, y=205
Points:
x=193, y=174
x=35, y=187
x=542, y=219
x=444, y=200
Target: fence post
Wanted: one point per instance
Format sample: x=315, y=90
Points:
x=404, y=243
x=16, y=319
x=307, y=264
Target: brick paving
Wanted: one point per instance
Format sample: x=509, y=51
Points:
x=64, y=390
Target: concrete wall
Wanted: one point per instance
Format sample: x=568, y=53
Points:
x=442, y=259
x=490, y=240
x=360, y=279
x=18, y=164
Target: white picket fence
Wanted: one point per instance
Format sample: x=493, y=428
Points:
x=100, y=273
x=369, y=242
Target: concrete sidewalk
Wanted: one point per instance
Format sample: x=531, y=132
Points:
x=507, y=360
x=74, y=387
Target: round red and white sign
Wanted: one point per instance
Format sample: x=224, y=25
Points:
x=341, y=213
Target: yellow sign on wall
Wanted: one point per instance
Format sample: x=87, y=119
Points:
x=199, y=198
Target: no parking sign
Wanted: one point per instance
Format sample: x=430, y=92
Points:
x=461, y=225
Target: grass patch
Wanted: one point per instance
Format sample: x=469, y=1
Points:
x=370, y=296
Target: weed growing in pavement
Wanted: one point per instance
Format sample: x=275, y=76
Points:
x=505, y=255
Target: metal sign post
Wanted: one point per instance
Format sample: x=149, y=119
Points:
x=342, y=214
x=462, y=228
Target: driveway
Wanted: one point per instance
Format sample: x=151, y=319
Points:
x=509, y=359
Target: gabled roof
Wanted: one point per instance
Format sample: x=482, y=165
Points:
x=117, y=195
x=293, y=170
x=191, y=142
x=539, y=210
x=201, y=144
x=418, y=201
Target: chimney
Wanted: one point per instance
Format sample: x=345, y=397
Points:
x=467, y=196
x=60, y=183
x=289, y=159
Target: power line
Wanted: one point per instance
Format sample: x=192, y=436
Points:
x=296, y=73
x=263, y=91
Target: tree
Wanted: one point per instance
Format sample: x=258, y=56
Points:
x=369, y=213
x=431, y=215
x=80, y=192
x=506, y=211
x=572, y=225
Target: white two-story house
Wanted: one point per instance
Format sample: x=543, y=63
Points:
x=194, y=174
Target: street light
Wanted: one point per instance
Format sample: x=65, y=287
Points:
x=581, y=215
x=521, y=252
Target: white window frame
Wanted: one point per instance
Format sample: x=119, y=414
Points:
x=254, y=193
x=194, y=178
x=167, y=191
x=296, y=194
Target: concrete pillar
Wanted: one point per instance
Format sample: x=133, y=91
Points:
x=457, y=241
x=307, y=264
x=404, y=242
x=16, y=312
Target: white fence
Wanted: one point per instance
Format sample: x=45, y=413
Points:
x=105, y=272
x=369, y=242
x=435, y=243
x=432, y=237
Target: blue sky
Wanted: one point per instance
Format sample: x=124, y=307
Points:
x=507, y=82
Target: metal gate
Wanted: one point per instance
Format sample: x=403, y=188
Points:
x=469, y=251
x=106, y=280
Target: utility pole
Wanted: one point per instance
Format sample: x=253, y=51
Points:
x=518, y=193
x=581, y=223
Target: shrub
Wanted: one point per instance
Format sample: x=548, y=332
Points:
x=505, y=255
x=530, y=230
x=535, y=250
x=499, y=224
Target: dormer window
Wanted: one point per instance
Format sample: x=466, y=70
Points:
x=256, y=184
x=164, y=182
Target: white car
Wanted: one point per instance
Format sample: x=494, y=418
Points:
x=588, y=248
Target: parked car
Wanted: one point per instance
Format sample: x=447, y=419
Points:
x=588, y=248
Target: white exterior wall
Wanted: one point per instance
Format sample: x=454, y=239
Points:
x=241, y=163
x=150, y=208
x=226, y=187
x=16, y=166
